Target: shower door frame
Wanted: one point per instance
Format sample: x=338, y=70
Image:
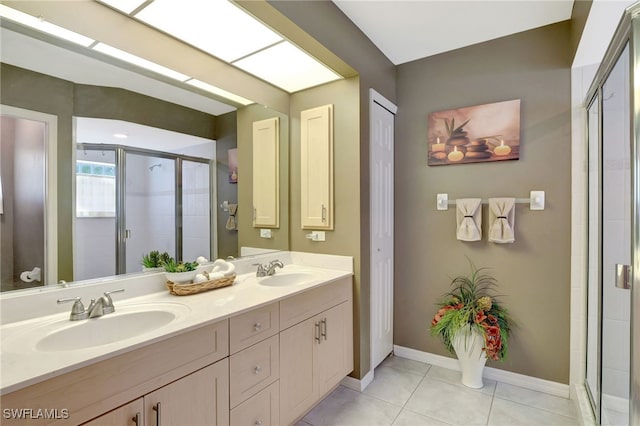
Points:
x=121, y=226
x=628, y=31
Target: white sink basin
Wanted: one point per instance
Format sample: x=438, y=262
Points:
x=283, y=279
x=126, y=322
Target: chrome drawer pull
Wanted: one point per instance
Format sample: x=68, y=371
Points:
x=258, y=369
x=137, y=419
x=324, y=328
x=257, y=326
x=317, y=333
x=258, y=423
x=156, y=408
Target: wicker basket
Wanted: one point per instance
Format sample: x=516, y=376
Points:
x=193, y=288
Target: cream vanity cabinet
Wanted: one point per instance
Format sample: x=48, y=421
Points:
x=316, y=167
x=266, y=173
x=316, y=347
x=187, y=374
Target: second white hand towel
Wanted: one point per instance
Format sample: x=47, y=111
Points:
x=502, y=220
x=469, y=219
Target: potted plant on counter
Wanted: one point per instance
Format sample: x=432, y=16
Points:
x=180, y=272
x=154, y=261
x=472, y=324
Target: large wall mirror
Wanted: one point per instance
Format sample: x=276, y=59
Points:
x=168, y=185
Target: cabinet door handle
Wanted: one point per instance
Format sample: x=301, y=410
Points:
x=255, y=214
x=324, y=213
x=257, y=326
x=324, y=328
x=137, y=419
x=156, y=408
x=317, y=333
x=257, y=369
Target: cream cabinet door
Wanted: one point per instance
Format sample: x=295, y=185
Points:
x=266, y=176
x=201, y=398
x=127, y=415
x=335, y=351
x=316, y=156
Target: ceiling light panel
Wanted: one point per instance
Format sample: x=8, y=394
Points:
x=138, y=61
x=287, y=67
x=126, y=6
x=220, y=92
x=216, y=26
x=44, y=26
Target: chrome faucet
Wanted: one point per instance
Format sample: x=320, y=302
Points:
x=261, y=271
x=271, y=268
x=97, y=308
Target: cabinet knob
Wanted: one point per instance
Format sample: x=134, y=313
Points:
x=258, y=423
x=257, y=326
x=257, y=369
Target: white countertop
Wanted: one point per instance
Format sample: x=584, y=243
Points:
x=22, y=365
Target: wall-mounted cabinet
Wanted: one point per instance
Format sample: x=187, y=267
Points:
x=266, y=175
x=316, y=159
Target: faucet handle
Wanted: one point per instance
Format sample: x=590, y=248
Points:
x=108, y=302
x=262, y=269
x=77, y=310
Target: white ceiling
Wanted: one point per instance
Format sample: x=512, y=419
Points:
x=408, y=30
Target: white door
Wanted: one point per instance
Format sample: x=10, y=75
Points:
x=382, y=114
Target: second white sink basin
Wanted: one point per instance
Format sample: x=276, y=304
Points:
x=282, y=279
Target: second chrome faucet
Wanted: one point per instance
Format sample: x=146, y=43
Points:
x=97, y=308
x=269, y=269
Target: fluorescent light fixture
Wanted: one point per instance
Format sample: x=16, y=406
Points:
x=287, y=67
x=216, y=26
x=136, y=60
x=220, y=92
x=126, y=6
x=44, y=26
x=120, y=135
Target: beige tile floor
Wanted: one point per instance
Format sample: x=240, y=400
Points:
x=410, y=393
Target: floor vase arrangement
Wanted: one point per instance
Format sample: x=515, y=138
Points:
x=472, y=324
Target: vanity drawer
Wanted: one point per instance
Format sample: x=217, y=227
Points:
x=253, y=369
x=252, y=327
x=298, y=308
x=261, y=409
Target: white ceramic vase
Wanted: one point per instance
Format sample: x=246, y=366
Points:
x=468, y=343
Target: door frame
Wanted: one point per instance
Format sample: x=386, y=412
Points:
x=374, y=98
x=50, y=187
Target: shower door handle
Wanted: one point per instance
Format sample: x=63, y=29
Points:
x=623, y=276
x=127, y=234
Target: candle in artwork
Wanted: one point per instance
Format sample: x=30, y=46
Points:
x=437, y=146
x=502, y=149
x=455, y=155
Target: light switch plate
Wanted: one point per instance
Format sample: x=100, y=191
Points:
x=442, y=202
x=536, y=200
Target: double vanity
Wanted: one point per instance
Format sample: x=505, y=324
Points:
x=262, y=351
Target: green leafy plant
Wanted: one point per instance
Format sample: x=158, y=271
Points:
x=472, y=302
x=155, y=259
x=453, y=131
x=173, y=266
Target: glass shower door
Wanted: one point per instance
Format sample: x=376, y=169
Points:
x=616, y=243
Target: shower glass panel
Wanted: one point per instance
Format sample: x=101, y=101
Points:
x=196, y=210
x=616, y=243
x=95, y=226
x=150, y=207
x=22, y=203
x=593, y=273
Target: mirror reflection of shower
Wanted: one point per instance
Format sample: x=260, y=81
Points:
x=138, y=204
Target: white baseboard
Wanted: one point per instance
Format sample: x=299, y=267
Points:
x=358, y=385
x=508, y=377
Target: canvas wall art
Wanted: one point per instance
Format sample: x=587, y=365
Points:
x=474, y=134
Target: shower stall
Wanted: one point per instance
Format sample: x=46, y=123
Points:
x=130, y=201
x=613, y=275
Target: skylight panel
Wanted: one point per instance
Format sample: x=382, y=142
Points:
x=217, y=27
x=287, y=67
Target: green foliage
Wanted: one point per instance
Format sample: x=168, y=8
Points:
x=155, y=259
x=172, y=266
x=472, y=301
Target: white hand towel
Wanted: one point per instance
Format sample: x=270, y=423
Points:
x=501, y=218
x=469, y=219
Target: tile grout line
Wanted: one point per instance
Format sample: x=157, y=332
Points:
x=537, y=408
x=414, y=391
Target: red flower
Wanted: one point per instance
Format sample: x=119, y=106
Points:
x=443, y=311
x=493, y=341
x=480, y=316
